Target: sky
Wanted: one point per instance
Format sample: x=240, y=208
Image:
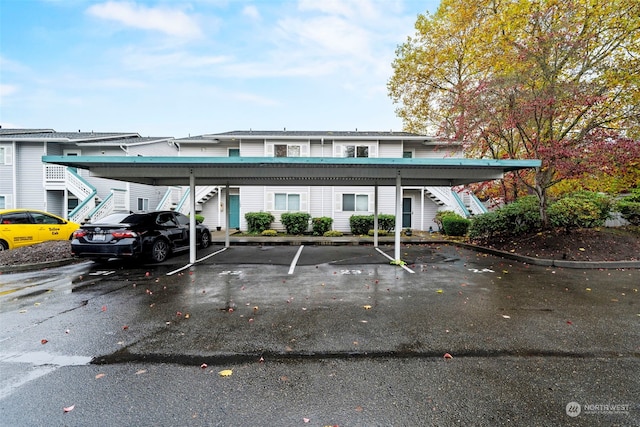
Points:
x=184, y=68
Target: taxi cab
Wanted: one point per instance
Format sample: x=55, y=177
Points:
x=23, y=227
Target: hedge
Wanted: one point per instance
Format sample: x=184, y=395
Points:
x=257, y=222
x=295, y=222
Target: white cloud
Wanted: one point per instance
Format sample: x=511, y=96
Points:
x=173, y=22
x=251, y=12
x=6, y=90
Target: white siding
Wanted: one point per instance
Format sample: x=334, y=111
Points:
x=390, y=150
x=251, y=200
x=30, y=176
x=252, y=148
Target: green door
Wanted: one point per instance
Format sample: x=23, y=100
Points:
x=234, y=211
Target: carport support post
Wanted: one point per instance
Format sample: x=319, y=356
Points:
x=398, y=216
x=227, y=216
x=192, y=217
x=375, y=216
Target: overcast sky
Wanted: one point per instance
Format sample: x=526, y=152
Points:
x=179, y=68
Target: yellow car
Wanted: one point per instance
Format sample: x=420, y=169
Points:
x=24, y=227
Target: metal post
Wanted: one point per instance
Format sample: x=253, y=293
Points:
x=398, y=224
x=226, y=212
x=375, y=217
x=192, y=217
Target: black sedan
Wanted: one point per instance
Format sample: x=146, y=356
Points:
x=153, y=235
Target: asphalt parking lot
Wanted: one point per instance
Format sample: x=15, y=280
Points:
x=330, y=334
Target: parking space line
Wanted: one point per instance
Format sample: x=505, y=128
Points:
x=171, y=273
x=295, y=260
x=391, y=259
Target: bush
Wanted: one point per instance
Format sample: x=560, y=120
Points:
x=257, y=222
x=386, y=222
x=295, y=222
x=333, y=233
x=269, y=233
x=440, y=215
x=521, y=216
x=485, y=225
x=580, y=210
x=361, y=224
x=455, y=225
x=321, y=225
x=629, y=207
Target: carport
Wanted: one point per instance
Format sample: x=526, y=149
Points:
x=308, y=171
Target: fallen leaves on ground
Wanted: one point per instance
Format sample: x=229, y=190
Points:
x=225, y=373
x=69, y=408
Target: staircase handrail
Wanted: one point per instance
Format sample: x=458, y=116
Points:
x=79, y=186
x=81, y=212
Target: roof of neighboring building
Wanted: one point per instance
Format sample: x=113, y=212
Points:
x=84, y=138
x=317, y=135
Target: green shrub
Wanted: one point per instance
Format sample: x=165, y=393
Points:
x=295, y=222
x=360, y=224
x=269, y=233
x=257, y=222
x=321, y=225
x=520, y=217
x=333, y=233
x=455, y=225
x=629, y=207
x=380, y=232
x=385, y=222
x=199, y=218
x=485, y=225
x=440, y=215
x=580, y=210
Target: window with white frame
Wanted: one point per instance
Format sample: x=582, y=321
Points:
x=355, y=150
x=3, y=202
x=2, y=161
x=286, y=150
x=355, y=202
x=143, y=204
x=286, y=202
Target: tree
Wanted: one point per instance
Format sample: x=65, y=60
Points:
x=547, y=79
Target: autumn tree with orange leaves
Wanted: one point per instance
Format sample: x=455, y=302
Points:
x=552, y=80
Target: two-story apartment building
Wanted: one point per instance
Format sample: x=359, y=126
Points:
x=25, y=182
x=28, y=183
x=419, y=204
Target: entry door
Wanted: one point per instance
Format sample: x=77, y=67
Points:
x=234, y=211
x=406, y=212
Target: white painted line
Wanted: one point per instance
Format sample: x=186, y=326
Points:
x=171, y=273
x=197, y=261
x=391, y=259
x=295, y=260
x=212, y=254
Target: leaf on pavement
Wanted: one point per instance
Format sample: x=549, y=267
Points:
x=366, y=307
x=141, y=371
x=69, y=408
x=225, y=373
x=447, y=356
x=43, y=341
x=100, y=376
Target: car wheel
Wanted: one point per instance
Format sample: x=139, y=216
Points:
x=205, y=239
x=159, y=250
x=4, y=246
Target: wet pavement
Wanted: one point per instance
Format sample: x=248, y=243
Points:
x=335, y=335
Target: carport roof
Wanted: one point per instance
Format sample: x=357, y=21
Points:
x=293, y=170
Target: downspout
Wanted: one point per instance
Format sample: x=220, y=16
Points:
x=321, y=188
x=14, y=162
x=422, y=209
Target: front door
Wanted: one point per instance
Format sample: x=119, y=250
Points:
x=234, y=211
x=406, y=212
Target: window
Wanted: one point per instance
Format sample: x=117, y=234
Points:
x=234, y=152
x=356, y=151
x=355, y=202
x=2, y=162
x=287, y=202
x=143, y=204
x=286, y=150
x=40, y=218
x=3, y=202
x=407, y=154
